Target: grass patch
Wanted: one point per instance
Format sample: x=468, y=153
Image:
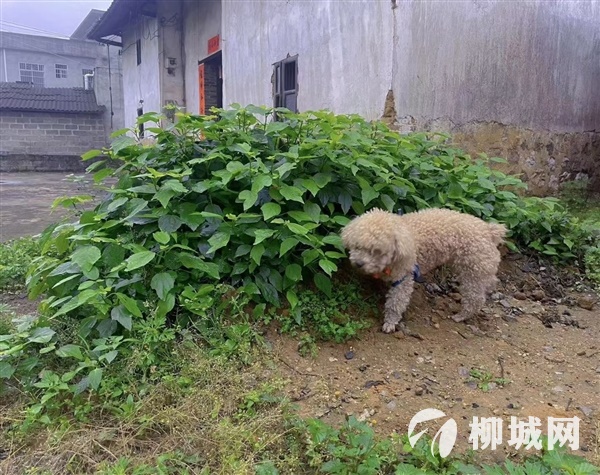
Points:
x=15, y=259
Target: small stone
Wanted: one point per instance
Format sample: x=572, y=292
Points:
x=419, y=392
x=538, y=294
x=474, y=405
x=371, y=384
x=349, y=355
x=586, y=302
x=363, y=416
x=392, y=405
x=397, y=374
x=581, y=353
x=520, y=296
x=511, y=406
x=558, y=389
x=598, y=370
x=332, y=359
x=455, y=296
x=505, y=303
x=420, y=360
x=497, y=296
x=463, y=372
x=436, y=325
x=587, y=411
x=363, y=368
x=472, y=385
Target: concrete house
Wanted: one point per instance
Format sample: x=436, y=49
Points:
x=513, y=79
x=53, y=62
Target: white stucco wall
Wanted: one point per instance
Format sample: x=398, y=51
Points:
x=202, y=20
x=141, y=82
x=344, y=52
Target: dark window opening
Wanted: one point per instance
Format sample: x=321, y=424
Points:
x=210, y=86
x=140, y=112
x=138, y=50
x=285, y=83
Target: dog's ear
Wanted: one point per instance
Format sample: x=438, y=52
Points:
x=403, y=249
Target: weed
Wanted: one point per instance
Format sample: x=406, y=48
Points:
x=15, y=259
x=485, y=378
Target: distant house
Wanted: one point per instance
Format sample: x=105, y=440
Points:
x=52, y=62
x=48, y=129
x=514, y=79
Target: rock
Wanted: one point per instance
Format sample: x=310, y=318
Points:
x=558, y=389
x=392, y=405
x=532, y=308
x=505, y=303
x=474, y=405
x=581, y=353
x=463, y=372
x=436, y=325
x=509, y=318
x=363, y=368
x=586, y=302
x=371, y=384
x=420, y=360
x=364, y=416
x=497, y=296
x=598, y=370
x=587, y=411
x=332, y=359
x=455, y=296
x=419, y=392
x=397, y=374
x=538, y=294
x=349, y=355
x=520, y=296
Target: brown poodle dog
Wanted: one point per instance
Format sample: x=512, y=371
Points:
x=397, y=248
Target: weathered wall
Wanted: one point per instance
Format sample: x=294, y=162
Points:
x=142, y=82
x=515, y=79
x=344, y=52
x=108, y=80
x=45, y=142
x=524, y=88
x=171, y=46
x=202, y=20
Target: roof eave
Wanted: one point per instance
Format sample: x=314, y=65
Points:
x=118, y=16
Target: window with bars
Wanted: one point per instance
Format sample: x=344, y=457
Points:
x=285, y=83
x=33, y=73
x=61, y=71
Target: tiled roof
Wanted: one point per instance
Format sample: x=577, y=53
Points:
x=25, y=97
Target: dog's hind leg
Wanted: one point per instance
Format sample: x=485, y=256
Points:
x=397, y=301
x=473, y=292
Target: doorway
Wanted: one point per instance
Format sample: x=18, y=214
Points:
x=210, y=83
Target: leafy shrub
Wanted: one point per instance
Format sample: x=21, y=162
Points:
x=234, y=199
x=15, y=259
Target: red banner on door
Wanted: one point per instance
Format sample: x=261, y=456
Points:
x=201, y=89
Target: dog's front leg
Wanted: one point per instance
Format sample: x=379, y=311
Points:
x=396, y=303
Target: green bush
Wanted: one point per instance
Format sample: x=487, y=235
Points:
x=239, y=200
x=15, y=259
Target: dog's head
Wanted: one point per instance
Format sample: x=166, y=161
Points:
x=378, y=244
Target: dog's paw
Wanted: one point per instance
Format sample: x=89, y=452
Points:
x=389, y=327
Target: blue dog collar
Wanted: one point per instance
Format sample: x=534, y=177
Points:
x=416, y=273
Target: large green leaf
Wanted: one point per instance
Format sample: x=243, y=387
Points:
x=86, y=256
x=270, y=210
x=162, y=283
x=139, y=259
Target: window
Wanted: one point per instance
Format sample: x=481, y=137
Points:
x=61, y=71
x=285, y=83
x=138, y=50
x=87, y=71
x=33, y=73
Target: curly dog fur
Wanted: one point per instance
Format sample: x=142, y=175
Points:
x=388, y=246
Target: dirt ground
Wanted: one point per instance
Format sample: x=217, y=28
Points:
x=26, y=198
x=536, y=334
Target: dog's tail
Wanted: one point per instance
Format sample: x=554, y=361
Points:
x=497, y=232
